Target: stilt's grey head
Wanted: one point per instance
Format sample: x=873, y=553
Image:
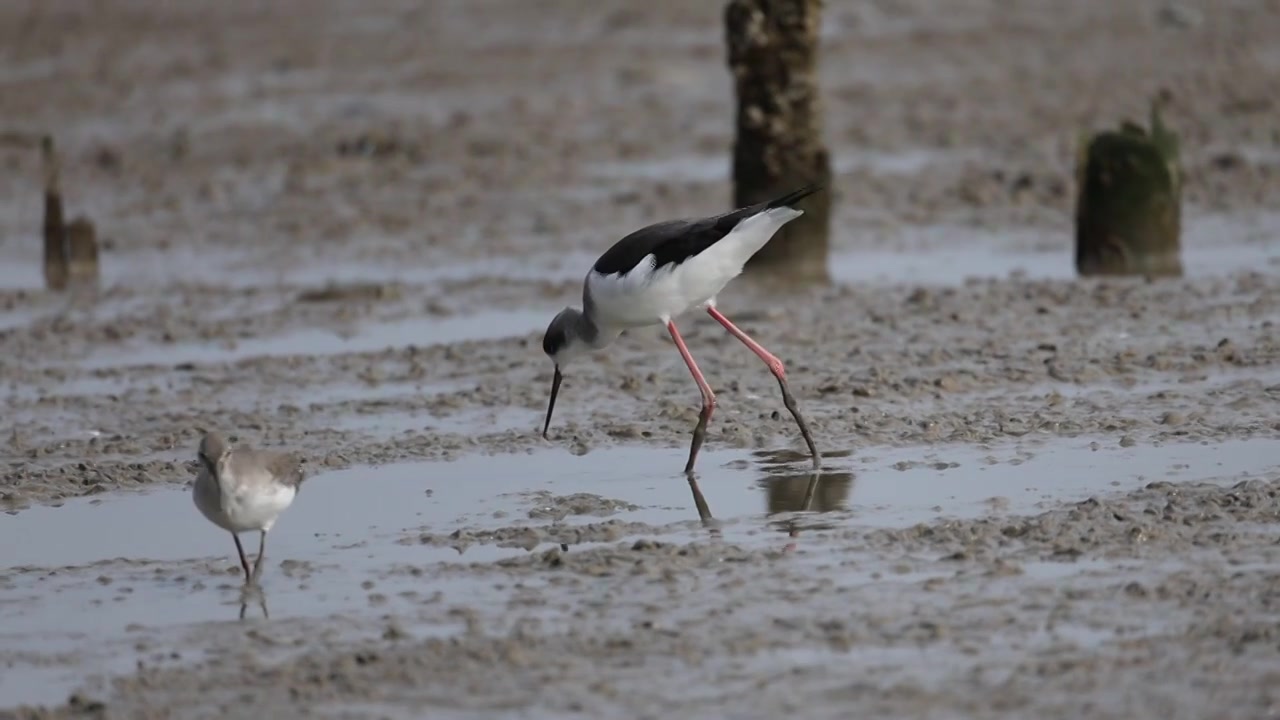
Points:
x=562, y=342
x=565, y=338
x=213, y=447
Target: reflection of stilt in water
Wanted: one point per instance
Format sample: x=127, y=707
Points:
x=808, y=492
x=250, y=593
x=704, y=510
x=806, y=502
x=811, y=492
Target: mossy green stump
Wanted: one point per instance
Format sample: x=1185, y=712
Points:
x=1129, y=206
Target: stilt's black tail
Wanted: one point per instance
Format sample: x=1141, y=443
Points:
x=794, y=196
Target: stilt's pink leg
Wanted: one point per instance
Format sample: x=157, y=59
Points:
x=779, y=372
x=708, y=397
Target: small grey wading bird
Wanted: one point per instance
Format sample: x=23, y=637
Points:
x=241, y=490
x=659, y=272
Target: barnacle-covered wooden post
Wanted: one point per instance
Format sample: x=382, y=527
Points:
x=1129, y=202
x=772, y=52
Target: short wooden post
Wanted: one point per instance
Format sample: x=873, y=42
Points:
x=70, y=249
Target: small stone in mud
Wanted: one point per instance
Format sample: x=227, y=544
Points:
x=1173, y=418
x=525, y=539
x=947, y=383
x=84, y=706
x=997, y=503
x=1136, y=589
x=355, y=292
x=623, y=432
x=1004, y=568
x=1127, y=441
x=919, y=296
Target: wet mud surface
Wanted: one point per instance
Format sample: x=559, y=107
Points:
x=342, y=231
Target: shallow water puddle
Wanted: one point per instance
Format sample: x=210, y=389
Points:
x=230, y=268
x=97, y=572
x=380, y=423
x=366, y=337
x=1212, y=245
x=714, y=168
x=354, y=508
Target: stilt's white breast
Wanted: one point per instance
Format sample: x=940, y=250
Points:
x=645, y=295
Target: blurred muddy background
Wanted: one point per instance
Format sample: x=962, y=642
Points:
x=340, y=228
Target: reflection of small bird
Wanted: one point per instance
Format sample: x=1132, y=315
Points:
x=253, y=593
x=241, y=489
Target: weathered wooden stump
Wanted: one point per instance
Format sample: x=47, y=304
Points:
x=772, y=52
x=1129, y=202
x=70, y=249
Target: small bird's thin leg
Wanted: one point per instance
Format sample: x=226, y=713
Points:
x=779, y=372
x=244, y=562
x=262, y=550
x=708, y=397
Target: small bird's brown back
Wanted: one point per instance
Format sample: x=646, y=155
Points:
x=284, y=468
x=287, y=468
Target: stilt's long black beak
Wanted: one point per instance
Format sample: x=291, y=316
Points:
x=555, y=390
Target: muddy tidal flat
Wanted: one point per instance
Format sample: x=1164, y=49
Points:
x=341, y=231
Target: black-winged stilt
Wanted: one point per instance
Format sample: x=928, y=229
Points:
x=659, y=272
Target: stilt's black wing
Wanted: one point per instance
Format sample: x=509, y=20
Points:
x=674, y=241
